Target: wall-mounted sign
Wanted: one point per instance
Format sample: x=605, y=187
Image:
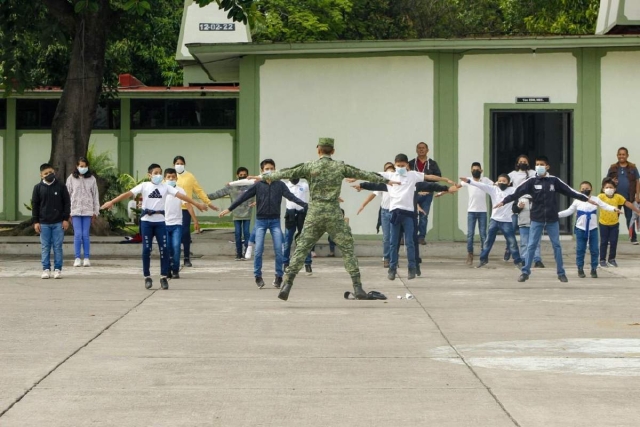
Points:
x=217, y=27
x=532, y=99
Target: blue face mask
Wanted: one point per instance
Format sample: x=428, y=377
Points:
x=171, y=183
x=267, y=173
x=401, y=171
x=82, y=171
x=156, y=179
x=541, y=170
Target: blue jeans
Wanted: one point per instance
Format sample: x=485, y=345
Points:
x=423, y=220
x=242, y=227
x=507, y=230
x=174, y=238
x=289, y=235
x=385, y=218
x=535, y=233
x=608, y=237
x=51, y=235
x=186, y=233
x=407, y=223
x=149, y=230
x=481, y=219
x=273, y=225
x=524, y=241
x=81, y=226
x=581, y=247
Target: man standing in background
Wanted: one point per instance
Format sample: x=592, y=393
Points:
x=423, y=164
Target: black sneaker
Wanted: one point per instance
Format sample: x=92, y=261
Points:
x=507, y=255
x=418, y=271
x=308, y=270
x=176, y=275
x=239, y=258
x=412, y=274
x=581, y=273
x=277, y=282
x=603, y=263
x=170, y=275
x=563, y=278
x=523, y=278
x=594, y=274
x=164, y=283
x=148, y=283
x=187, y=263
x=612, y=263
x=392, y=274
x=259, y=282
x=483, y=263
x=538, y=264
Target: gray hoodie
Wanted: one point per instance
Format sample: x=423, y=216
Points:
x=242, y=212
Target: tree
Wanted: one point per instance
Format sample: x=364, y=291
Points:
x=83, y=27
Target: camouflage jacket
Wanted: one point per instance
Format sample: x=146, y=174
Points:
x=325, y=177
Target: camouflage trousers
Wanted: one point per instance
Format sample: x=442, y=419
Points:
x=324, y=218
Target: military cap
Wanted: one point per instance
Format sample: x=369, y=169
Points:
x=328, y=142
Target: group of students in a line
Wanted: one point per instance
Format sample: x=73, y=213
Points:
x=524, y=199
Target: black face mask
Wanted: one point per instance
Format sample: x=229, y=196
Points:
x=295, y=181
x=50, y=177
x=242, y=177
x=586, y=192
x=476, y=173
x=523, y=166
x=503, y=187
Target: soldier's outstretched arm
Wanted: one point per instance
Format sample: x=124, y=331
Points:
x=353, y=172
x=297, y=171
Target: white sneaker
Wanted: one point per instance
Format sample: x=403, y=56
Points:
x=248, y=253
x=45, y=274
x=86, y=263
x=77, y=262
x=57, y=274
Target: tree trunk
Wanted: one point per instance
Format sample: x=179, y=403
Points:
x=73, y=120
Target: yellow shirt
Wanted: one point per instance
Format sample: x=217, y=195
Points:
x=610, y=218
x=189, y=183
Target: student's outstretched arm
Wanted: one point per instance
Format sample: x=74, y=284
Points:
x=437, y=178
x=605, y=206
x=432, y=187
x=489, y=189
x=563, y=188
x=366, y=202
x=371, y=186
x=570, y=210
x=632, y=207
x=224, y=191
x=201, y=206
x=251, y=192
x=108, y=205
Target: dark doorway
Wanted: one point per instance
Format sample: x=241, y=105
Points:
x=534, y=132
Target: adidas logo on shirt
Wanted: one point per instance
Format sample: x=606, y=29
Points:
x=155, y=194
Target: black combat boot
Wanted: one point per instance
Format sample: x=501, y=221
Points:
x=358, y=292
x=286, y=287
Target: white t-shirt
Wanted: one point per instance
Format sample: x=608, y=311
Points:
x=301, y=191
x=401, y=196
x=477, y=197
x=173, y=208
x=385, y=200
x=504, y=213
x=153, y=198
x=518, y=177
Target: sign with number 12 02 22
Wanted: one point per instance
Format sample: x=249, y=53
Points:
x=217, y=27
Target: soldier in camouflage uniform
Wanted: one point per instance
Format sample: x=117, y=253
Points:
x=325, y=177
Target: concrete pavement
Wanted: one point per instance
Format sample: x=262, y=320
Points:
x=472, y=348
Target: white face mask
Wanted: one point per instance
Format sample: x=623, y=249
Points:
x=267, y=172
x=609, y=191
x=179, y=168
x=541, y=170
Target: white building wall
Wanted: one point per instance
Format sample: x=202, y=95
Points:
x=620, y=90
x=500, y=78
x=105, y=142
x=375, y=108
